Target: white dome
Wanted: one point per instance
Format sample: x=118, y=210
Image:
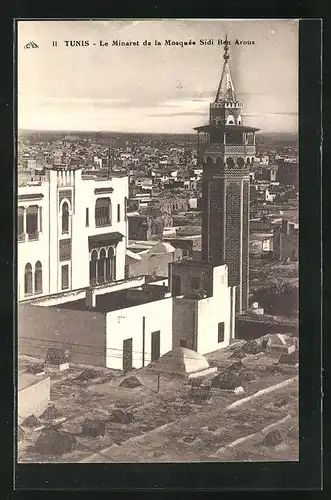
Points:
x=182, y=361
x=161, y=247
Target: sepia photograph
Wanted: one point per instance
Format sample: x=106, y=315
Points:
x=157, y=227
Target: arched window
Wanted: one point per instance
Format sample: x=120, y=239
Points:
x=110, y=264
x=248, y=161
x=38, y=277
x=93, y=267
x=240, y=162
x=209, y=160
x=103, y=212
x=252, y=160
x=28, y=280
x=20, y=223
x=230, y=162
x=101, y=266
x=239, y=120
x=230, y=120
x=65, y=218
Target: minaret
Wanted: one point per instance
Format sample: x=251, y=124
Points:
x=226, y=152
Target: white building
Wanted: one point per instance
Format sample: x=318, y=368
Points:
x=71, y=232
x=131, y=323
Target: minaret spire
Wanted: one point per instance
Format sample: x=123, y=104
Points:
x=225, y=90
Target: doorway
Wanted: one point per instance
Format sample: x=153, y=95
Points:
x=155, y=336
x=127, y=354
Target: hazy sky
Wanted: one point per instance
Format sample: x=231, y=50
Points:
x=154, y=88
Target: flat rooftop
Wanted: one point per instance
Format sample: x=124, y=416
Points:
x=122, y=299
x=168, y=426
x=27, y=379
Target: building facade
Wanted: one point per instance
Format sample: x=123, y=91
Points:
x=203, y=306
x=132, y=323
x=226, y=153
x=71, y=232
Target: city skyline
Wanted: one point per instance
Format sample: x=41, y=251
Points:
x=155, y=89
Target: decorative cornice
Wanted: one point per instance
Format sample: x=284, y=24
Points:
x=30, y=197
x=105, y=190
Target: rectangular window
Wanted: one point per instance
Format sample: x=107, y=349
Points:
x=220, y=337
x=65, y=277
x=195, y=283
x=32, y=222
x=65, y=249
x=183, y=343
x=103, y=212
x=176, y=285
x=155, y=347
x=118, y=212
x=87, y=221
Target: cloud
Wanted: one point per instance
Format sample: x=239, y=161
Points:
x=179, y=113
x=89, y=101
x=283, y=113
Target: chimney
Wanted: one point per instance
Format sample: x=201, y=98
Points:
x=285, y=226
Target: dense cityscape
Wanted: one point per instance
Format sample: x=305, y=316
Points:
x=165, y=191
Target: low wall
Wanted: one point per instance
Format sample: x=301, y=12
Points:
x=83, y=333
x=250, y=329
x=33, y=399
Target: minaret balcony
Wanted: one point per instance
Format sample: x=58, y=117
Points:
x=227, y=149
x=239, y=149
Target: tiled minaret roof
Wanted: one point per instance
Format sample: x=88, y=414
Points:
x=225, y=90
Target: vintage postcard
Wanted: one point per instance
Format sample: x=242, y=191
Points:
x=157, y=241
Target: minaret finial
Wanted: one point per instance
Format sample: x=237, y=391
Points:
x=226, y=48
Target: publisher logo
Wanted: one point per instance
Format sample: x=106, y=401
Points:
x=31, y=45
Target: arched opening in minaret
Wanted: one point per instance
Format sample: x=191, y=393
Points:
x=240, y=162
x=230, y=162
x=233, y=137
x=230, y=120
x=248, y=161
x=209, y=160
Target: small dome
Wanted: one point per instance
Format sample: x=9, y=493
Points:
x=181, y=361
x=161, y=247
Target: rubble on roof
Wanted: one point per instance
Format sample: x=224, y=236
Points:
x=87, y=375
x=20, y=434
x=273, y=438
x=121, y=417
x=52, y=442
x=131, y=382
x=93, y=427
x=252, y=347
x=31, y=422
x=238, y=353
x=289, y=359
x=51, y=413
x=228, y=380
x=35, y=369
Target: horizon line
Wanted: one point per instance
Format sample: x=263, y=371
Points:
x=294, y=132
